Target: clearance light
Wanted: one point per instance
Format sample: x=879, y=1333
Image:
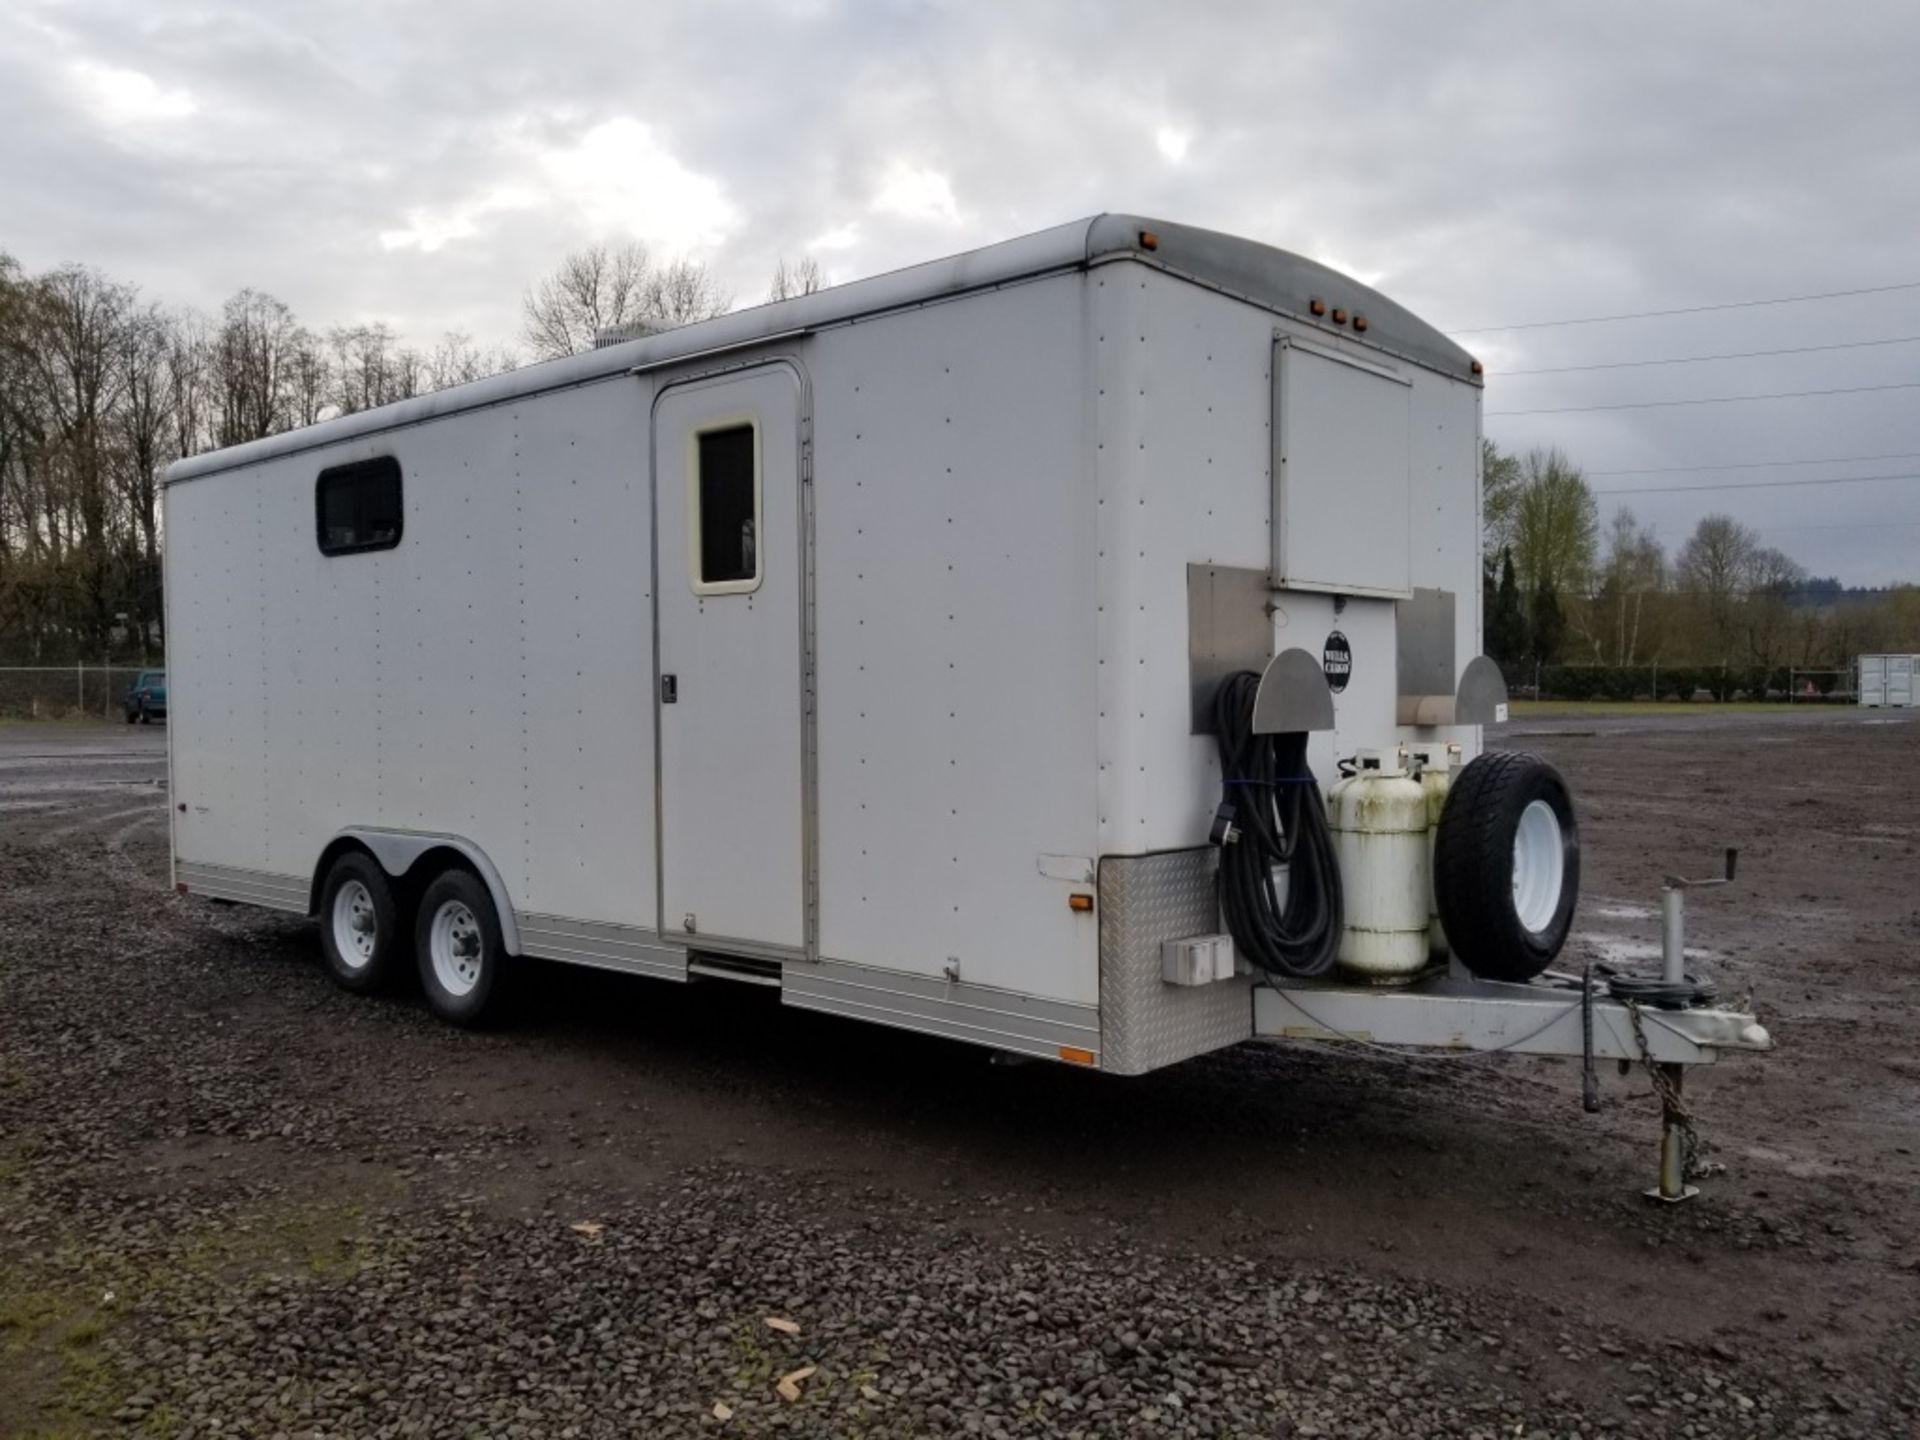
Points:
x=1317, y=306
x=1149, y=240
x=1359, y=322
x=1073, y=1055
x=1082, y=903
x=1339, y=317
x=1477, y=367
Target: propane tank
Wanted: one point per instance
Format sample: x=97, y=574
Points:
x=1378, y=816
x=1435, y=765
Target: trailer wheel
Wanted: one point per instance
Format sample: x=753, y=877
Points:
x=1506, y=865
x=463, y=961
x=360, y=926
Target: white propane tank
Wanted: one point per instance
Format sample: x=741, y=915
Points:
x=1436, y=764
x=1378, y=816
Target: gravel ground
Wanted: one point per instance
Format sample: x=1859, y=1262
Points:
x=234, y=1201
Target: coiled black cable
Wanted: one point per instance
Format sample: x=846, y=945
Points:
x=1272, y=814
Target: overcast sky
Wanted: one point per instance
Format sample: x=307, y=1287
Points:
x=1483, y=163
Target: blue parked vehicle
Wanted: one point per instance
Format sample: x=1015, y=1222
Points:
x=148, y=697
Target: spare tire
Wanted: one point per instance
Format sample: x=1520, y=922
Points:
x=1506, y=865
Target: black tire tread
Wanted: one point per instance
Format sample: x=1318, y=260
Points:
x=489, y=1003
x=389, y=959
x=1473, y=857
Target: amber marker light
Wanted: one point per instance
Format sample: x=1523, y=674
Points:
x=1339, y=317
x=1082, y=903
x=1317, y=306
x=1149, y=240
x=1073, y=1055
x=1359, y=322
x=1477, y=368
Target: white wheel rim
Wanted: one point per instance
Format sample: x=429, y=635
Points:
x=355, y=926
x=454, y=943
x=1539, y=866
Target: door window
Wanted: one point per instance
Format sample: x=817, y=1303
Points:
x=723, y=508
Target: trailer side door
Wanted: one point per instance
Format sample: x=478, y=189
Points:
x=728, y=602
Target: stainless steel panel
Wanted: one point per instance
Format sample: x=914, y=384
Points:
x=1229, y=628
x=1145, y=1022
x=1424, y=639
x=1483, y=694
x=1293, y=698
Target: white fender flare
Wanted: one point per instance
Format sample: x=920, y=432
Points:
x=397, y=850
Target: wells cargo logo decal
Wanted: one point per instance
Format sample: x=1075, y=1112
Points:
x=1337, y=661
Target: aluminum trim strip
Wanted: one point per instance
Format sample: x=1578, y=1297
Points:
x=1027, y=1025
x=252, y=887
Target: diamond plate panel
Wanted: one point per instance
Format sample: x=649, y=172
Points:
x=1144, y=1022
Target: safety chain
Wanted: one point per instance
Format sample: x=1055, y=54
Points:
x=1692, y=1166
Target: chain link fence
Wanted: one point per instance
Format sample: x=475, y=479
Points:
x=1702, y=683
x=67, y=692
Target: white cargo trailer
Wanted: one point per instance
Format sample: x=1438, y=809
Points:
x=870, y=644
x=1888, y=680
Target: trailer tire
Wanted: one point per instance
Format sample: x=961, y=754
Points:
x=362, y=933
x=1506, y=865
x=464, y=966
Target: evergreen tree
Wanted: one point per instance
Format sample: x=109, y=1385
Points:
x=1506, y=624
x=1549, y=624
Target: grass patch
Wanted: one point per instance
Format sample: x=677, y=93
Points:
x=60, y=1376
x=49, y=1339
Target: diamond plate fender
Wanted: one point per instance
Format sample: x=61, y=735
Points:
x=1145, y=1022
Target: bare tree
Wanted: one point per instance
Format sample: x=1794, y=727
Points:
x=1635, y=568
x=457, y=360
x=591, y=290
x=189, y=350
x=252, y=354
x=146, y=430
x=75, y=339
x=600, y=289
x=683, y=292
x=1773, y=581
x=1712, y=569
x=309, y=380
x=794, y=278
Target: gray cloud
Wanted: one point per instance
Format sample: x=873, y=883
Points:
x=1483, y=163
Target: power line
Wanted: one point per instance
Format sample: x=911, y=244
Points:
x=1860, y=525
x=1690, y=309
x=1747, y=484
x=1703, y=359
x=1758, y=464
x=1709, y=400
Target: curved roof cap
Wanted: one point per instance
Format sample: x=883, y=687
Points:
x=1280, y=281
x=1261, y=274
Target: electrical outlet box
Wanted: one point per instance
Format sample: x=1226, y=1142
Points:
x=1197, y=960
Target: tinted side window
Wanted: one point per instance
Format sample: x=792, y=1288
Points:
x=358, y=506
x=728, y=501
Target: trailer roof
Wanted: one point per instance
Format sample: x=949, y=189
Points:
x=1274, y=279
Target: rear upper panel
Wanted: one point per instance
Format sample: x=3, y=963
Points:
x=1186, y=411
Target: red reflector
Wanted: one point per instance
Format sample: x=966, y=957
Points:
x=181, y=888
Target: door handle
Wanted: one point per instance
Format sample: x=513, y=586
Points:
x=669, y=689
